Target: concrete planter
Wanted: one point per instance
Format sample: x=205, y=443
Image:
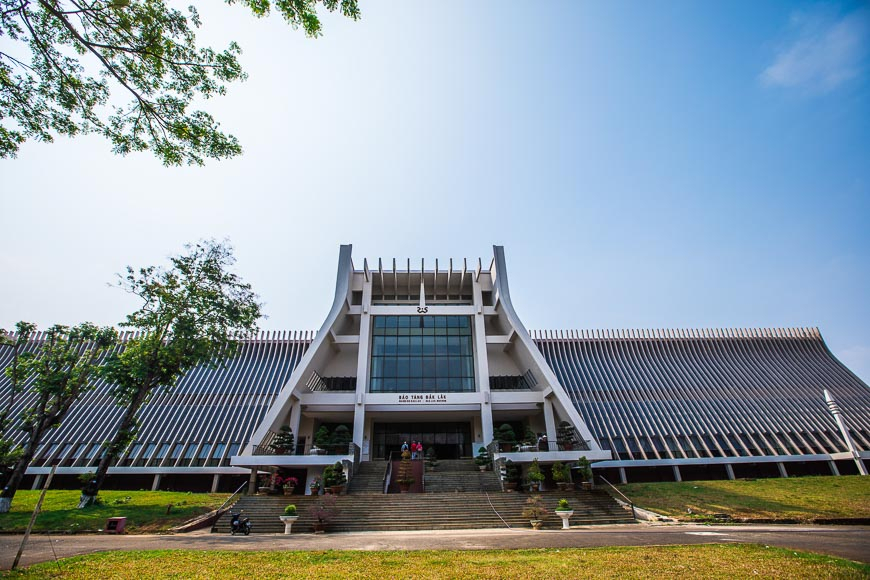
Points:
x=288, y=523
x=565, y=514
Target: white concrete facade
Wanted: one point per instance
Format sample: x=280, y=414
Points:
x=502, y=347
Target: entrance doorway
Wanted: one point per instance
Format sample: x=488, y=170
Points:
x=450, y=440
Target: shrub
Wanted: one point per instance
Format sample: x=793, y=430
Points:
x=535, y=509
x=560, y=472
x=535, y=473
x=505, y=434
x=563, y=505
x=290, y=510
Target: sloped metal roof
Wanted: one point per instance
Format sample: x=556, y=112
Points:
x=644, y=394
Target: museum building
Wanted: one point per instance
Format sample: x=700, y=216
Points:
x=440, y=356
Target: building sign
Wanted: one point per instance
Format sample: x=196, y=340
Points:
x=422, y=398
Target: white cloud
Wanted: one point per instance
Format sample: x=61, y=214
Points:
x=824, y=52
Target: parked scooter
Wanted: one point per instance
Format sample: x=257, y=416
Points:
x=240, y=524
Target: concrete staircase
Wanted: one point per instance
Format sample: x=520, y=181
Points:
x=369, y=478
x=461, y=476
x=427, y=511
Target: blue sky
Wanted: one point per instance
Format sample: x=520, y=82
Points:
x=646, y=165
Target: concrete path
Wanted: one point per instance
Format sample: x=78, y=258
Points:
x=852, y=542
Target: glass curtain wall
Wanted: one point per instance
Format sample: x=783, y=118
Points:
x=422, y=354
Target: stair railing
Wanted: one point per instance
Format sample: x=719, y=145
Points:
x=620, y=494
x=388, y=472
x=235, y=493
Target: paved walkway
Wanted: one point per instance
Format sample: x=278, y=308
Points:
x=852, y=542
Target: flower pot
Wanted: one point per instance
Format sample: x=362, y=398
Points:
x=510, y=486
x=336, y=489
x=536, y=524
x=534, y=486
x=288, y=490
x=404, y=487
x=264, y=489
x=586, y=486
x=288, y=523
x=319, y=527
x=482, y=468
x=565, y=514
x=563, y=485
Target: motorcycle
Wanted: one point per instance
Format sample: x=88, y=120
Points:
x=239, y=523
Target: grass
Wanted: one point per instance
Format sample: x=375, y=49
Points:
x=800, y=499
x=707, y=561
x=145, y=510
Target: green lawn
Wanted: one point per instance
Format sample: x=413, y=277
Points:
x=145, y=510
x=704, y=561
x=796, y=498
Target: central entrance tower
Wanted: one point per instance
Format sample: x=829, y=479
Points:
x=435, y=355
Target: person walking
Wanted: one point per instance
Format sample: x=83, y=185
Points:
x=404, y=447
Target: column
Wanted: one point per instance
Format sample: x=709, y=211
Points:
x=550, y=422
x=729, y=469
x=833, y=466
x=155, y=485
x=482, y=366
x=677, y=476
x=622, y=478
x=362, y=366
x=252, y=482
x=215, y=481
x=782, y=471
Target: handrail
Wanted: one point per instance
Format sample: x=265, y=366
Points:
x=388, y=472
x=234, y=494
x=622, y=495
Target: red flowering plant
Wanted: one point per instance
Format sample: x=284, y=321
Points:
x=286, y=482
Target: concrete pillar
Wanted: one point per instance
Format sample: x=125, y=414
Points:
x=782, y=471
x=215, y=481
x=550, y=423
x=730, y=471
x=677, y=476
x=833, y=466
x=622, y=478
x=295, y=418
x=482, y=367
x=362, y=366
x=155, y=485
x=252, y=482
x=37, y=482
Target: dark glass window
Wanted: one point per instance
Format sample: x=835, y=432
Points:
x=416, y=354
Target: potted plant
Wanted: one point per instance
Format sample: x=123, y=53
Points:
x=288, y=483
x=340, y=440
x=529, y=438
x=565, y=436
x=511, y=475
x=265, y=483
x=322, y=512
x=288, y=518
x=337, y=478
x=431, y=459
x=584, y=470
x=328, y=478
x=321, y=440
x=314, y=486
x=535, y=511
x=561, y=475
x=564, y=511
x=506, y=437
x=482, y=460
x=283, y=442
x=405, y=476
x=535, y=476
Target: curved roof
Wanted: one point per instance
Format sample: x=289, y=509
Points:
x=670, y=394
x=644, y=394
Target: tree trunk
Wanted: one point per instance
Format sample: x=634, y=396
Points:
x=128, y=421
x=18, y=472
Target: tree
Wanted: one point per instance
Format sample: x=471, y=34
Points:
x=59, y=372
x=9, y=452
x=83, y=50
x=191, y=314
